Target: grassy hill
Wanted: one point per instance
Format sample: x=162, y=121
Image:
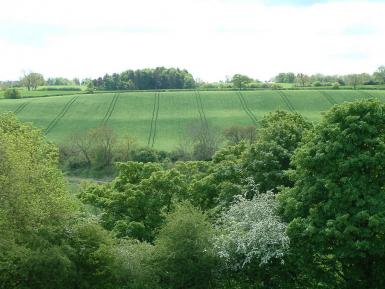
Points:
x=162, y=119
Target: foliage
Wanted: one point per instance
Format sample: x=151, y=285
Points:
x=237, y=133
x=251, y=231
x=336, y=206
x=12, y=93
x=184, y=253
x=240, y=81
x=134, y=204
x=32, y=80
x=158, y=78
x=268, y=159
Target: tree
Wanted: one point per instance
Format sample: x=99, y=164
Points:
x=205, y=140
x=336, y=206
x=34, y=210
x=12, y=93
x=239, y=81
x=238, y=133
x=267, y=160
x=103, y=142
x=251, y=231
x=302, y=79
x=379, y=75
x=32, y=80
x=353, y=80
x=184, y=253
x=288, y=77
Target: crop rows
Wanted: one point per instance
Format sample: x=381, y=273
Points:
x=202, y=115
x=286, y=101
x=329, y=98
x=20, y=107
x=110, y=109
x=67, y=106
x=154, y=120
x=246, y=108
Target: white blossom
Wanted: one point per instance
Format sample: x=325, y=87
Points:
x=251, y=230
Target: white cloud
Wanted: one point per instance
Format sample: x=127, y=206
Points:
x=211, y=38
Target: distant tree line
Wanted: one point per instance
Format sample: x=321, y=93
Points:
x=303, y=80
x=149, y=78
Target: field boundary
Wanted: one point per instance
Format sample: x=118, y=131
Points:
x=246, y=108
x=154, y=120
x=286, y=101
x=328, y=97
x=20, y=107
x=110, y=109
x=60, y=115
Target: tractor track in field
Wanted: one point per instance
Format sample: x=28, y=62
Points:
x=110, y=109
x=246, y=108
x=154, y=120
x=20, y=107
x=286, y=101
x=60, y=115
x=328, y=97
x=202, y=115
x=367, y=94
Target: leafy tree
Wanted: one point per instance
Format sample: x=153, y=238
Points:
x=251, y=230
x=252, y=244
x=336, y=206
x=12, y=93
x=184, y=253
x=134, y=204
x=240, y=81
x=268, y=159
x=288, y=77
x=354, y=80
x=94, y=257
x=34, y=208
x=32, y=80
x=379, y=75
x=302, y=79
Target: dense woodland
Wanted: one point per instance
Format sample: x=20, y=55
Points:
x=300, y=205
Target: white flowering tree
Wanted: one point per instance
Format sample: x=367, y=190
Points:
x=251, y=231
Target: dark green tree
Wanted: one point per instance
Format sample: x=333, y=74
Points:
x=336, y=207
x=184, y=252
x=267, y=160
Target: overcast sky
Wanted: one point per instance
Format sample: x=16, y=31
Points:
x=211, y=38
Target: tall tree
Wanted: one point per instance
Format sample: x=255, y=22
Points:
x=32, y=80
x=336, y=206
x=239, y=81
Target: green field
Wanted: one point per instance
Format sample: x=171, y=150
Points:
x=161, y=120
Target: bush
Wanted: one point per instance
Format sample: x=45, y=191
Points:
x=317, y=83
x=184, y=251
x=276, y=86
x=336, y=85
x=12, y=93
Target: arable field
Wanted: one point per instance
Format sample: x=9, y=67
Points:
x=162, y=119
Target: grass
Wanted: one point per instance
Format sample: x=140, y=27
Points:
x=133, y=114
x=54, y=90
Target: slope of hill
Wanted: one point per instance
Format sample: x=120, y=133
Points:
x=162, y=119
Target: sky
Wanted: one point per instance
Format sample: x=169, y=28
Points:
x=213, y=39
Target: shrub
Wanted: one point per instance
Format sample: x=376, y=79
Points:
x=336, y=85
x=317, y=83
x=276, y=86
x=12, y=93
